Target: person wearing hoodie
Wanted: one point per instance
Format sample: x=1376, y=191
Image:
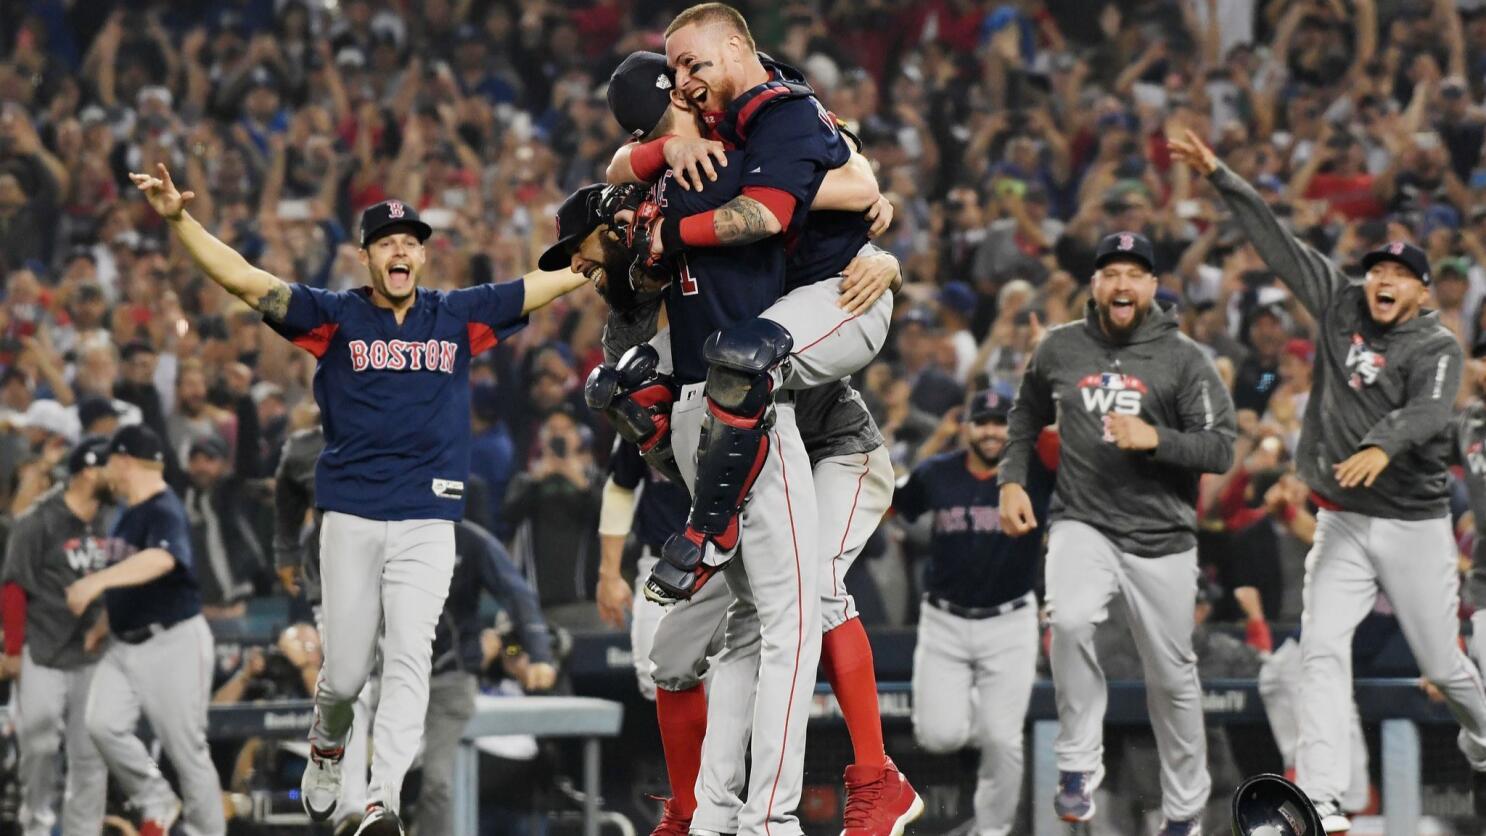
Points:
x=1142, y=413
x=1374, y=449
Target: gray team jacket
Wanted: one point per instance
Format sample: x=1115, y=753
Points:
x=1392, y=388
x=1469, y=441
x=1144, y=502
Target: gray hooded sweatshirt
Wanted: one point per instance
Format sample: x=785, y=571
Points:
x=1144, y=502
x=1392, y=388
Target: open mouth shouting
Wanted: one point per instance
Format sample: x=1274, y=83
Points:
x=1385, y=302
x=399, y=274
x=1122, y=309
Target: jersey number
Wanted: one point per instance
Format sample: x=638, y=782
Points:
x=688, y=282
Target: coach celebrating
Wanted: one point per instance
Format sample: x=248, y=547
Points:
x=1141, y=412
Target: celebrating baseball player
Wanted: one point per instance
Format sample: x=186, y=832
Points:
x=842, y=442
x=161, y=658
x=1374, y=449
x=976, y=657
x=54, y=543
x=391, y=488
x=1141, y=413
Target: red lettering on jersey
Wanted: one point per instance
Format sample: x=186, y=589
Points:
x=688, y=281
x=431, y=355
x=395, y=359
x=378, y=354
x=415, y=356
x=358, y=355
x=448, y=353
x=317, y=340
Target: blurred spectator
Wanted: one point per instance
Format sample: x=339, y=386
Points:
x=492, y=455
x=222, y=536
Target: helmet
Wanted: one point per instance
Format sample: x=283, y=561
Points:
x=1268, y=805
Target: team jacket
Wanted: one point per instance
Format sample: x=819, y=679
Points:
x=1144, y=502
x=1469, y=440
x=1392, y=388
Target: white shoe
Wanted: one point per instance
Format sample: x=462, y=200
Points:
x=379, y=821
x=320, y=788
x=1333, y=820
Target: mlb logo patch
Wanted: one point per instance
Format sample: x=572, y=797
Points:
x=1110, y=380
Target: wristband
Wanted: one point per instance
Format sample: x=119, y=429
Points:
x=670, y=236
x=696, y=231
x=648, y=159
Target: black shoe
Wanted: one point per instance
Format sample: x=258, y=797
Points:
x=379, y=821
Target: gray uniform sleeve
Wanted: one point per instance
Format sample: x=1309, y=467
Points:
x=291, y=501
x=1430, y=403
x=1032, y=410
x=1204, y=441
x=23, y=551
x=1309, y=275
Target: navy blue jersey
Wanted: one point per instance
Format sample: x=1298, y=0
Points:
x=714, y=287
x=663, y=504
x=972, y=563
x=395, y=400
x=827, y=243
x=156, y=523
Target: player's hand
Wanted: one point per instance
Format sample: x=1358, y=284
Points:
x=94, y=638
x=10, y=667
x=254, y=663
x=161, y=192
x=881, y=216
x=81, y=593
x=1190, y=149
x=289, y=579
x=1016, y=511
x=1361, y=469
x=864, y=281
x=614, y=599
x=539, y=676
x=1131, y=433
x=691, y=158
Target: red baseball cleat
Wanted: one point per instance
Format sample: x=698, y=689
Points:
x=672, y=823
x=879, y=803
x=160, y=822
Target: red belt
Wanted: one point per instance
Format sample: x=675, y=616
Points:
x=1323, y=503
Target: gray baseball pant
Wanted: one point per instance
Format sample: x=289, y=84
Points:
x=972, y=683
x=169, y=679
x=829, y=343
x=1085, y=571
x=451, y=704
x=380, y=580
x=1413, y=562
x=52, y=704
x=1279, y=688
x=777, y=553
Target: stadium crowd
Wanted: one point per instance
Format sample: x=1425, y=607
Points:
x=1009, y=137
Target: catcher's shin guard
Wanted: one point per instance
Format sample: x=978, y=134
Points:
x=743, y=366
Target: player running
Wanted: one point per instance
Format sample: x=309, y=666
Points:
x=976, y=656
x=392, y=383
x=1141, y=413
x=56, y=542
x=1374, y=448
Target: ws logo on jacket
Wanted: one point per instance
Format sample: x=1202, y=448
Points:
x=1364, y=364
x=1112, y=392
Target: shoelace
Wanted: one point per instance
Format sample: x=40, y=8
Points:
x=860, y=801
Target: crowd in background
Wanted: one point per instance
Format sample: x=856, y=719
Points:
x=1010, y=138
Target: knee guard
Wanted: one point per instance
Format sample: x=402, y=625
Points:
x=744, y=363
x=637, y=399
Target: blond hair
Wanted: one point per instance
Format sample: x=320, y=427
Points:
x=703, y=14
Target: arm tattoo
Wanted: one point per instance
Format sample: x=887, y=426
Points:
x=741, y=220
x=274, y=304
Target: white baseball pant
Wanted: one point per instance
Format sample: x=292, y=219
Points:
x=380, y=580
x=1413, y=562
x=1279, y=688
x=972, y=683
x=52, y=705
x=1085, y=571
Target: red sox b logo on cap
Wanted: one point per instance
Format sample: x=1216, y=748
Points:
x=394, y=209
x=1127, y=241
x=1396, y=248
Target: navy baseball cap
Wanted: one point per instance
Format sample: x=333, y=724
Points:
x=640, y=92
x=383, y=218
x=209, y=446
x=1404, y=253
x=90, y=409
x=92, y=451
x=578, y=216
x=1130, y=245
x=988, y=406
x=137, y=442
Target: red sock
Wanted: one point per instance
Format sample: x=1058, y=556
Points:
x=683, y=724
x=847, y=657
